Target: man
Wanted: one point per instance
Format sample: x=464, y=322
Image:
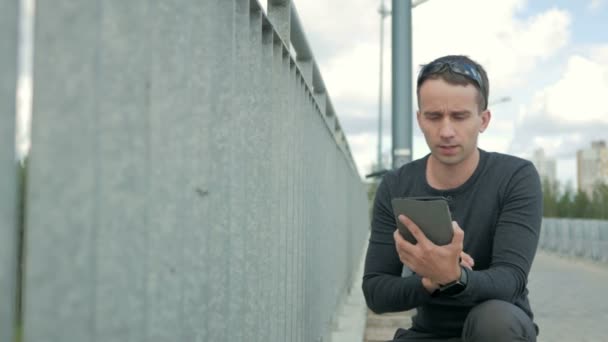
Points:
x=473, y=289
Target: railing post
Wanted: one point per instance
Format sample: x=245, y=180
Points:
x=8, y=166
x=279, y=13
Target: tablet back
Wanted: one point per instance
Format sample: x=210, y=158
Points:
x=431, y=214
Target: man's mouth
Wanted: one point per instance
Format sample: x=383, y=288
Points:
x=448, y=149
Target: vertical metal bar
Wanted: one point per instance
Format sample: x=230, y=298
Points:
x=279, y=13
x=254, y=252
x=167, y=194
x=259, y=278
x=402, y=82
x=302, y=197
x=280, y=108
x=196, y=278
x=276, y=220
x=297, y=196
x=220, y=108
x=319, y=92
x=270, y=227
x=62, y=175
x=289, y=117
x=121, y=97
x=241, y=224
x=9, y=18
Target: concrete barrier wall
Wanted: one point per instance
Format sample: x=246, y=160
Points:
x=188, y=177
x=8, y=167
x=576, y=237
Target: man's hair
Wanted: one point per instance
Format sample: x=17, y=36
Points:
x=451, y=76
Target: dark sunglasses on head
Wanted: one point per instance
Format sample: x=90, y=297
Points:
x=465, y=69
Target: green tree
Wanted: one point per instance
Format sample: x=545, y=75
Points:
x=371, y=195
x=564, y=204
x=599, y=204
x=550, y=197
x=581, y=205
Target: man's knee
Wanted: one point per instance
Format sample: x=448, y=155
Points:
x=497, y=320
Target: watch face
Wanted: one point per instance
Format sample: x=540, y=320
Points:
x=457, y=286
x=453, y=289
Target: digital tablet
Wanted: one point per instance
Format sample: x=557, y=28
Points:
x=431, y=214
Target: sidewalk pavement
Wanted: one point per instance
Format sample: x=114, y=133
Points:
x=569, y=298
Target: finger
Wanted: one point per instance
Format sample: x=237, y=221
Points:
x=458, y=235
x=466, y=260
x=466, y=264
x=469, y=260
x=414, y=229
x=397, y=236
x=401, y=250
x=402, y=244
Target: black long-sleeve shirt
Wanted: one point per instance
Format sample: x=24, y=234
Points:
x=500, y=210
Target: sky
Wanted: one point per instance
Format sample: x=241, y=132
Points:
x=549, y=57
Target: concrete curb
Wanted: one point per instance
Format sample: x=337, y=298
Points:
x=351, y=318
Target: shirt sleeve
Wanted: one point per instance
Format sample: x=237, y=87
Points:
x=515, y=242
x=383, y=287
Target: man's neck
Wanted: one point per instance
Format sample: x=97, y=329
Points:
x=443, y=176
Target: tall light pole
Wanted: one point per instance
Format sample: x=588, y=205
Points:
x=405, y=48
x=401, y=82
x=384, y=12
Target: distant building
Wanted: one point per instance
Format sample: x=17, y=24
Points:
x=545, y=166
x=592, y=166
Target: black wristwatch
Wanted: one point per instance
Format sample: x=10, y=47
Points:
x=456, y=286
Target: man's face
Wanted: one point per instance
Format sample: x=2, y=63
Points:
x=450, y=119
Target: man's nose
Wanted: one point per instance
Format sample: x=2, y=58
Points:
x=447, y=130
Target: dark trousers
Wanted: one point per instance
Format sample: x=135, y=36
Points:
x=492, y=320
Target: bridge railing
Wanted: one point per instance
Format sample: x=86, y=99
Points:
x=576, y=237
x=188, y=179
x=8, y=167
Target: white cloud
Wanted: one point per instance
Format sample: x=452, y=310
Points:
x=566, y=115
x=339, y=23
x=493, y=34
x=353, y=73
x=595, y=5
x=581, y=93
x=344, y=37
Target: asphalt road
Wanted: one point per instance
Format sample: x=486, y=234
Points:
x=569, y=298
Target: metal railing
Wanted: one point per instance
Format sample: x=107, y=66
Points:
x=8, y=168
x=576, y=237
x=188, y=178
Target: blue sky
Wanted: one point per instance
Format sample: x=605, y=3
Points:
x=589, y=17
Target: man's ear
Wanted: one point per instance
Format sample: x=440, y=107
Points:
x=486, y=115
